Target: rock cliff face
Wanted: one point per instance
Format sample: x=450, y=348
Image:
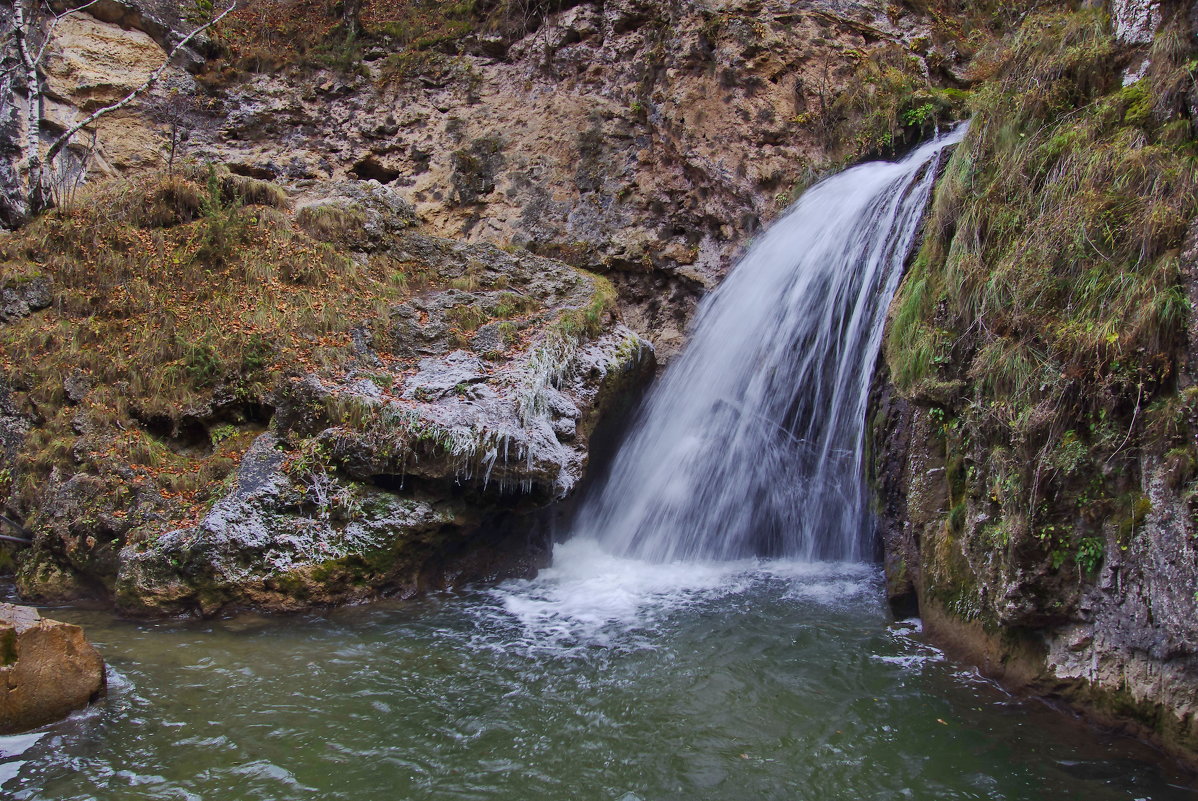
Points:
x=644, y=140
x=1034, y=447
x=393, y=396
x=91, y=60
x=632, y=135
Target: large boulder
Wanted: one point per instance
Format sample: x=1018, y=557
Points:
x=47, y=669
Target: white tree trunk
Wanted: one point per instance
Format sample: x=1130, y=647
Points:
x=33, y=88
x=37, y=169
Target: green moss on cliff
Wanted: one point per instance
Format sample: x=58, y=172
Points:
x=900, y=93
x=1044, y=312
x=888, y=105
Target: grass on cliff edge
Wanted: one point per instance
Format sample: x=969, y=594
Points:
x=164, y=289
x=171, y=292
x=267, y=35
x=169, y=286
x=899, y=94
x=1044, y=314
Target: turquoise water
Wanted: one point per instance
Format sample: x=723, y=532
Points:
x=604, y=678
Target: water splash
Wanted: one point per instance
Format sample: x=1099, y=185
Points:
x=752, y=442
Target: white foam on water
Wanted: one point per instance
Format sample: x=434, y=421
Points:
x=118, y=682
x=910, y=661
x=832, y=593
x=590, y=597
x=10, y=770
x=825, y=583
x=917, y=654
x=16, y=744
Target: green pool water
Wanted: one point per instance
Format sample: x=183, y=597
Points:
x=601, y=679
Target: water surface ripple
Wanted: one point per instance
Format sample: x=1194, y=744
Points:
x=604, y=678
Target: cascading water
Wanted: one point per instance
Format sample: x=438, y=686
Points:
x=610, y=676
x=752, y=442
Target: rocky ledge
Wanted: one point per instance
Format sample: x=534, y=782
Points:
x=407, y=442
x=361, y=490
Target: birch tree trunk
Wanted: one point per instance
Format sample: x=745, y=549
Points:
x=37, y=195
x=39, y=191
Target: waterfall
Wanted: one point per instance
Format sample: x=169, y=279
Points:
x=752, y=441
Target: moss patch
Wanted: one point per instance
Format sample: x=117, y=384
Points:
x=168, y=291
x=1044, y=314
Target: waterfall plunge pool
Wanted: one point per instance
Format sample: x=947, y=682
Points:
x=603, y=678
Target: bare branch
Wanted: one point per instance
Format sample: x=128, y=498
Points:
x=27, y=536
x=65, y=137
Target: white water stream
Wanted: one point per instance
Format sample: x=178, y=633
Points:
x=751, y=444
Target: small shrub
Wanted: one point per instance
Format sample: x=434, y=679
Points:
x=221, y=433
x=1090, y=553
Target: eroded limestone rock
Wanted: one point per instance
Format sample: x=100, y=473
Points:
x=364, y=491
x=21, y=299
x=640, y=139
x=47, y=669
x=1136, y=21
x=94, y=63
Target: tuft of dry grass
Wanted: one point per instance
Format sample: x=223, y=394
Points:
x=166, y=288
x=422, y=35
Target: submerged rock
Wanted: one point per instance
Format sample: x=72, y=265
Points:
x=47, y=669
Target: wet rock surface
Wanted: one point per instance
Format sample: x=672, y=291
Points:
x=1070, y=577
x=1120, y=645
x=47, y=669
x=361, y=492
x=420, y=459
